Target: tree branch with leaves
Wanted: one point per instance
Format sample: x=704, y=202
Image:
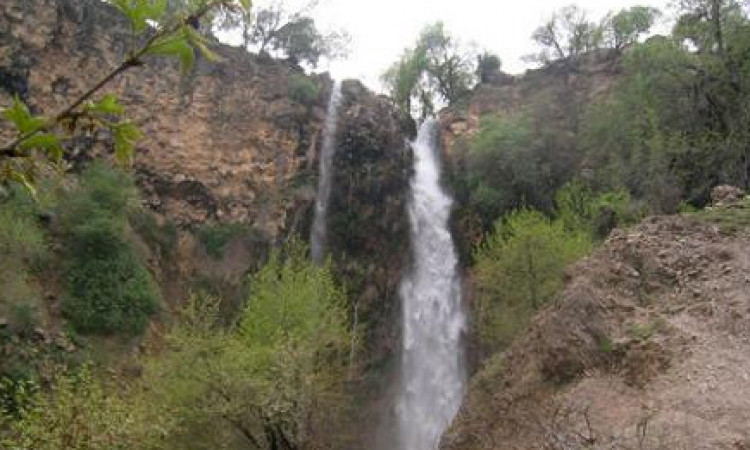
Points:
x=163, y=33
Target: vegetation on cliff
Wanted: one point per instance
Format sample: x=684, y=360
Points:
x=541, y=177
x=275, y=379
x=623, y=128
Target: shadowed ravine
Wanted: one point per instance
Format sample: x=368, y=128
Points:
x=432, y=380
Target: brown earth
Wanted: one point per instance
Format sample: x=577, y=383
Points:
x=648, y=347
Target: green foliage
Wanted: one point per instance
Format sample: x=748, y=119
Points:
x=164, y=32
x=272, y=377
x=730, y=219
x=579, y=208
x=215, y=237
x=566, y=35
x=506, y=168
x=140, y=12
x=403, y=77
x=109, y=288
x=303, y=90
x=488, y=64
x=520, y=268
x=679, y=114
x=78, y=411
x=296, y=305
x=23, y=248
x=437, y=68
x=625, y=27
x=160, y=237
x=292, y=34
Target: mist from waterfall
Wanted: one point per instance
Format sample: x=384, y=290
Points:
x=318, y=232
x=432, y=372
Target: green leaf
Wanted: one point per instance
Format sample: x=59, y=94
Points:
x=139, y=12
x=176, y=46
x=20, y=116
x=20, y=178
x=125, y=135
x=47, y=142
x=109, y=104
x=200, y=43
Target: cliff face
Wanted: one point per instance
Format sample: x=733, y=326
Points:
x=551, y=103
x=221, y=144
x=556, y=94
x=646, y=348
x=226, y=145
x=368, y=225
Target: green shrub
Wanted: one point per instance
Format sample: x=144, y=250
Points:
x=161, y=238
x=303, y=90
x=580, y=209
x=109, y=288
x=279, y=371
x=110, y=294
x=215, y=237
x=23, y=248
x=519, y=269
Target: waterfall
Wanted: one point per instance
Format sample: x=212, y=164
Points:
x=318, y=232
x=432, y=373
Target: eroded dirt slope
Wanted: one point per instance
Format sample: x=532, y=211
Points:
x=648, y=347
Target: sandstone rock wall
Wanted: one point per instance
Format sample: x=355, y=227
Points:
x=222, y=143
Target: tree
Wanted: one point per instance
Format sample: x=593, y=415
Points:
x=272, y=380
x=268, y=381
x=292, y=34
x=78, y=411
x=109, y=288
x=628, y=25
x=488, y=64
x=680, y=110
x=519, y=268
x=449, y=68
x=568, y=34
x=403, y=78
x=300, y=41
x=705, y=23
x=162, y=33
x=438, y=68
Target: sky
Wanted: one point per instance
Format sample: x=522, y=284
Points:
x=381, y=29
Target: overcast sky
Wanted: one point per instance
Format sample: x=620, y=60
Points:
x=381, y=29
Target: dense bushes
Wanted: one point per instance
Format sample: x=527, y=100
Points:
x=23, y=248
x=273, y=381
x=215, y=237
x=520, y=268
x=303, y=90
x=109, y=288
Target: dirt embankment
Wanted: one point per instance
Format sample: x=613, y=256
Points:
x=648, y=347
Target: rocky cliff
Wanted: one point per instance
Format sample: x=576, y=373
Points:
x=222, y=143
x=228, y=165
x=646, y=348
x=552, y=101
x=226, y=144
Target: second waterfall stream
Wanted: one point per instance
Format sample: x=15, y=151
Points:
x=432, y=372
x=318, y=232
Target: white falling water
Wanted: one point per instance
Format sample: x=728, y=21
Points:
x=432, y=378
x=318, y=233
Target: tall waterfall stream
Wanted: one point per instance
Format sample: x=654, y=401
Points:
x=318, y=233
x=432, y=373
